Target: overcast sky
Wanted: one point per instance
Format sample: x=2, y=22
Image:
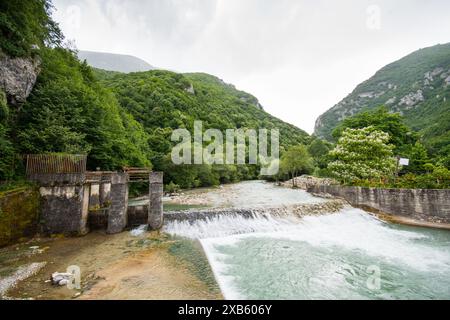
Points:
x=298, y=57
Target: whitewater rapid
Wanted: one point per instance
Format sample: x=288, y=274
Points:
x=329, y=256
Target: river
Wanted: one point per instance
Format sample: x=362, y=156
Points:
x=346, y=255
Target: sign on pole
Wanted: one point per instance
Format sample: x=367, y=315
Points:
x=404, y=162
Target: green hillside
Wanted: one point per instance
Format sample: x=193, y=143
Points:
x=417, y=86
x=164, y=100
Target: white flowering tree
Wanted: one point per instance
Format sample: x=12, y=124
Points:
x=362, y=154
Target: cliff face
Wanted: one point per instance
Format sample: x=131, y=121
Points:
x=417, y=86
x=18, y=77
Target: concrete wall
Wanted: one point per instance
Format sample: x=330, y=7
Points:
x=418, y=204
x=64, y=203
x=138, y=215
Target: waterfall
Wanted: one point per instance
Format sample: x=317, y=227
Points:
x=223, y=222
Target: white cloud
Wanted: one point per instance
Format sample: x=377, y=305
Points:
x=298, y=57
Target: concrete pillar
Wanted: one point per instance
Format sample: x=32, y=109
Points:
x=155, y=214
x=105, y=190
x=94, y=199
x=64, y=203
x=117, y=216
x=85, y=210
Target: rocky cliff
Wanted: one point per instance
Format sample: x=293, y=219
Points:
x=417, y=86
x=17, y=77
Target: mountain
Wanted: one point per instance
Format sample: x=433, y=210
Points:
x=417, y=86
x=164, y=100
x=114, y=62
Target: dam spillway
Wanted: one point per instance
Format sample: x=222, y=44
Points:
x=277, y=253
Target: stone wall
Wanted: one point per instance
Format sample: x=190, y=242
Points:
x=19, y=214
x=418, y=204
x=64, y=203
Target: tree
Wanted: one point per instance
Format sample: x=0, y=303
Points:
x=319, y=150
x=296, y=161
x=400, y=135
x=442, y=176
x=362, y=154
x=418, y=157
x=26, y=23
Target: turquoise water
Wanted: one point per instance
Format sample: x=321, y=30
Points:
x=348, y=255
x=304, y=262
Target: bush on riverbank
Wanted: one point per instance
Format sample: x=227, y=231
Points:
x=438, y=178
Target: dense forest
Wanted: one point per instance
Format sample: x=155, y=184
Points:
x=117, y=119
x=68, y=111
x=163, y=101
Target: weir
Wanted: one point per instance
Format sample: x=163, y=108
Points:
x=225, y=222
x=296, y=211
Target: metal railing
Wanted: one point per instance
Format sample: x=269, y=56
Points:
x=137, y=174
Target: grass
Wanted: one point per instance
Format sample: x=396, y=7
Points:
x=14, y=186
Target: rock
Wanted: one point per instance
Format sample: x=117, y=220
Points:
x=61, y=279
x=412, y=99
x=391, y=101
x=447, y=81
x=18, y=77
x=191, y=89
x=305, y=181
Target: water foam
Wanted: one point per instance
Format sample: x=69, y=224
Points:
x=336, y=243
x=351, y=231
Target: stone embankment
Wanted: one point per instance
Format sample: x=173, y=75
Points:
x=422, y=207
